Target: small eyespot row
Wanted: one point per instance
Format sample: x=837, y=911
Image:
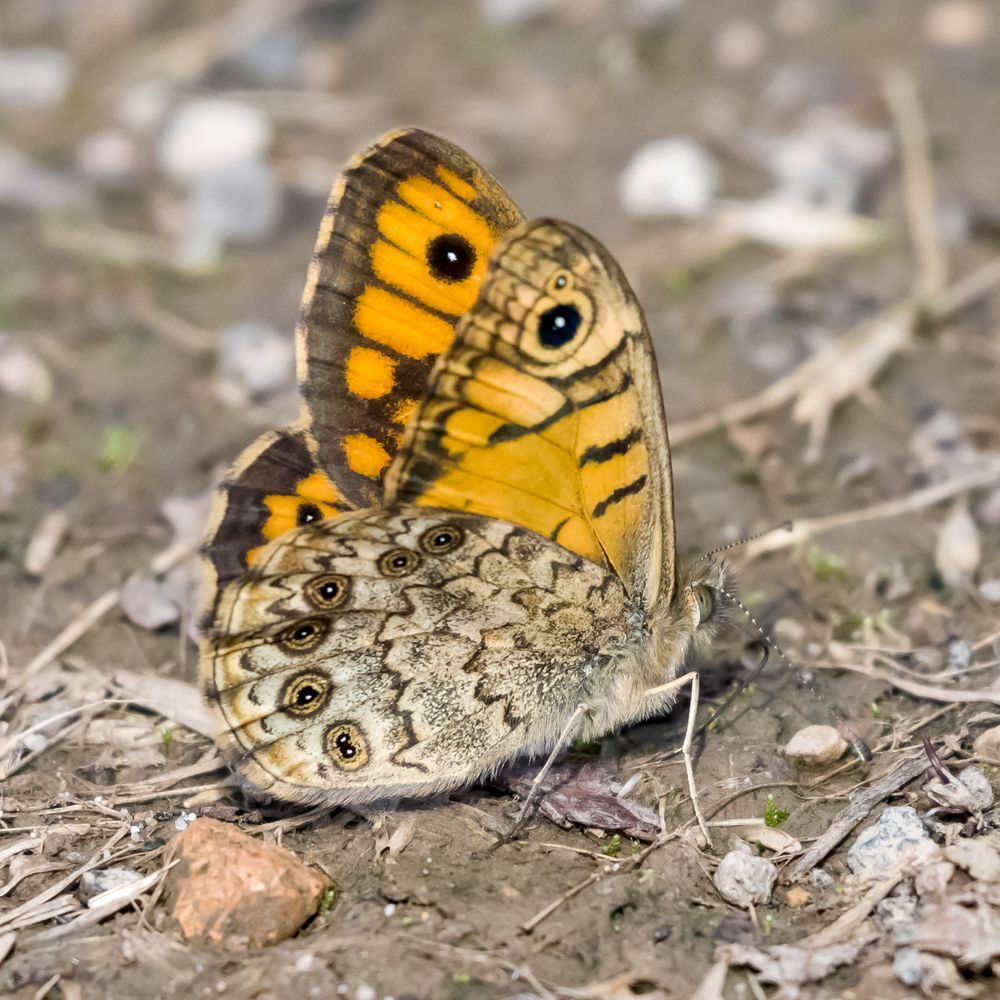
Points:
x=303, y=636
x=327, y=591
x=441, y=539
x=398, y=562
x=346, y=746
x=306, y=693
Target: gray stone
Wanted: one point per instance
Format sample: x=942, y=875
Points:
x=743, y=878
x=897, y=834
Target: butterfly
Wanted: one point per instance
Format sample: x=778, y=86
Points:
x=466, y=545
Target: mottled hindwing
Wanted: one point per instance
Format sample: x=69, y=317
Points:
x=406, y=651
x=547, y=411
x=400, y=255
x=274, y=486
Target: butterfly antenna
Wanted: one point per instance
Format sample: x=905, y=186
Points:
x=859, y=746
x=785, y=526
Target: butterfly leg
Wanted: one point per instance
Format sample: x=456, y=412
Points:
x=655, y=694
x=565, y=737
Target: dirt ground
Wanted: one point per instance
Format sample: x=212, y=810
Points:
x=115, y=397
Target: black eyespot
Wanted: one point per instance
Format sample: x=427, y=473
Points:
x=346, y=744
x=306, y=693
x=327, y=591
x=561, y=280
x=398, y=562
x=307, y=513
x=451, y=257
x=557, y=326
x=444, y=538
x=303, y=636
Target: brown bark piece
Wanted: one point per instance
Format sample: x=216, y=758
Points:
x=233, y=891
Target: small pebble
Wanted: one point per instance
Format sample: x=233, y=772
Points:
x=208, y=134
x=365, y=992
x=990, y=590
x=108, y=156
x=978, y=786
x=239, y=201
x=797, y=897
x=33, y=79
x=816, y=745
x=669, y=177
x=957, y=24
x=256, y=356
x=23, y=375
x=743, y=879
x=93, y=883
x=512, y=13
x=738, y=45
x=907, y=966
x=959, y=654
x=896, y=834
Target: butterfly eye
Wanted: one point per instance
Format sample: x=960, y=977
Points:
x=325, y=592
x=307, y=513
x=451, y=257
x=303, y=637
x=346, y=744
x=398, y=562
x=444, y=538
x=557, y=326
x=705, y=598
x=305, y=693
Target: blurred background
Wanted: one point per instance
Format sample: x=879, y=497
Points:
x=164, y=165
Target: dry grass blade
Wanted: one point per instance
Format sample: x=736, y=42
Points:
x=33, y=910
x=851, y=919
x=930, y=692
x=99, y=908
x=95, y=611
x=806, y=528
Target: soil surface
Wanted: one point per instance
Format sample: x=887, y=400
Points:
x=115, y=397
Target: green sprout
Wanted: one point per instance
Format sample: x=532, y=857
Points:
x=773, y=816
x=613, y=847
x=826, y=566
x=326, y=902
x=119, y=448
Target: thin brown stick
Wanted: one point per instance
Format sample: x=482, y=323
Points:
x=852, y=918
x=853, y=814
x=529, y=925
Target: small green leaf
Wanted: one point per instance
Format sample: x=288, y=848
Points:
x=767, y=925
x=773, y=816
x=326, y=901
x=167, y=739
x=876, y=710
x=613, y=847
x=461, y=978
x=827, y=567
x=119, y=448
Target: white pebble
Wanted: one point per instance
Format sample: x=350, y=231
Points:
x=365, y=992
x=816, y=745
x=257, y=356
x=33, y=78
x=743, y=879
x=739, y=45
x=207, y=134
x=990, y=590
x=957, y=24
x=669, y=177
x=107, y=156
x=898, y=833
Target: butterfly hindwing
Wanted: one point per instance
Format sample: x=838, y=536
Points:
x=400, y=255
x=547, y=411
x=407, y=650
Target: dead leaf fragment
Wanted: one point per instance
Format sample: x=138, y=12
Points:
x=232, y=891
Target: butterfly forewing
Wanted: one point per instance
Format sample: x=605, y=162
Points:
x=400, y=255
x=547, y=411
